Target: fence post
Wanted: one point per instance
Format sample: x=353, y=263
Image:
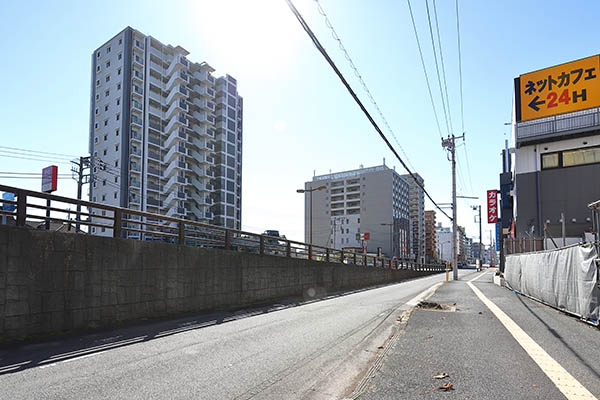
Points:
x=354, y=257
x=21, y=207
x=261, y=248
x=181, y=232
x=117, y=218
x=227, y=239
x=342, y=256
x=310, y=252
x=288, y=249
x=327, y=254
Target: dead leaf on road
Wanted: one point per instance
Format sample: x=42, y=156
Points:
x=446, y=387
x=441, y=376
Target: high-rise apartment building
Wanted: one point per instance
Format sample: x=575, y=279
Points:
x=366, y=200
x=430, y=236
x=165, y=134
x=416, y=201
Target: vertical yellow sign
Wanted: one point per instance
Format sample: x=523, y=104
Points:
x=563, y=88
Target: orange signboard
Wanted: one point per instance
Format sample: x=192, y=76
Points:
x=563, y=88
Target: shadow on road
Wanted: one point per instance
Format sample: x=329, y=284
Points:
x=559, y=337
x=20, y=357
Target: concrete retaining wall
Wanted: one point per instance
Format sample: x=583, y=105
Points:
x=54, y=282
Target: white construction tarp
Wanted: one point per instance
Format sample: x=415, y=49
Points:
x=565, y=278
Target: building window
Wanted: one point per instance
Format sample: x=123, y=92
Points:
x=104, y=152
x=105, y=137
x=108, y=64
x=103, y=197
x=97, y=68
x=104, y=182
x=581, y=157
x=120, y=56
x=96, y=139
x=117, y=132
x=119, y=71
x=116, y=163
x=106, y=107
x=116, y=179
x=117, y=116
x=107, y=93
x=103, y=229
x=108, y=50
x=549, y=160
x=119, y=101
x=107, y=78
x=98, y=55
x=119, y=86
x=115, y=195
x=105, y=122
x=96, y=111
x=116, y=147
x=97, y=82
x=120, y=40
x=96, y=125
x=97, y=96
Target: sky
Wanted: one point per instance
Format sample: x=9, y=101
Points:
x=298, y=118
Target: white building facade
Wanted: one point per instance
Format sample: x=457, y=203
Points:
x=165, y=134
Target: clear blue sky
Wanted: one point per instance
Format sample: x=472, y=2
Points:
x=297, y=118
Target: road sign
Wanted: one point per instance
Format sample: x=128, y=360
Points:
x=49, y=178
x=492, y=201
x=6, y=206
x=362, y=236
x=498, y=235
x=563, y=88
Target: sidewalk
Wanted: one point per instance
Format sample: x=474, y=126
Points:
x=481, y=357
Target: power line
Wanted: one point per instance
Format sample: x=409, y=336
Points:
x=35, y=159
x=437, y=68
x=424, y=69
x=437, y=28
x=356, y=99
x=462, y=117
x=361, y=80
x=40, y=152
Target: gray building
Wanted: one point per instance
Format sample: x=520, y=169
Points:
x=556, y=170
x=416, y=200
x=366, y=200
x=165, y=134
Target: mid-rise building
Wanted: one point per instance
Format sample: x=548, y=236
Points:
x=431, y=253
x=443, y=236
x=366, y=200
x=416, y=199
x=165, y=134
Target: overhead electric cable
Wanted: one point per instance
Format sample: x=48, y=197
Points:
x=424, y=70
x=437, y=68
x=437, y=28
x=357, y=100
x=40, y=152
x=361, y=80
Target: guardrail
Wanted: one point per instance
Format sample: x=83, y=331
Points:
x=133, y=224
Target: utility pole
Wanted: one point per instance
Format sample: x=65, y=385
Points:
x=81, y=178
x=450, y=144
x=480, y=241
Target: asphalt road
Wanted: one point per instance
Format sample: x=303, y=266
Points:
x=308, y=350
x=483, y=360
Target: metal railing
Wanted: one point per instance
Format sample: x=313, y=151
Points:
x=556, y=124
x=133, y=224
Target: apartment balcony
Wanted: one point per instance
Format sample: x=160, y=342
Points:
x=200, y=90
x=138, y=60
x=176, y=166
x=155, y=52
x=157, y=83
x=175, y=196
x=158, y=68
x=157, y=112
x=135, y=152
x=153, y=186
x=176, y=212
x=176, y=93
x=155, y=140
x=137, y=77
x=152, y=155
x=135, y=168
x=156, y=126
x=154, y=202
x=134, y=200
x=155, y=96
x=136, y=122
x=201, y=130
x=200, y=116
x=177, y=135
x=178, y=63
x=210, y=92
x=178, y=78
x=175, y=151
x=135, y=135
x=136, y=106
x=134, y=183
x=153, y=171
x=353, y=189
x=201, y=103
x=180, y=121
x=176, y=107
x=174, y=181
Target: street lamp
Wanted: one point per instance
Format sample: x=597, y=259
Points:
x=311, y=190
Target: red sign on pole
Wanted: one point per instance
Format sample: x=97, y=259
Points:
x=49, y=178
x=492, y=201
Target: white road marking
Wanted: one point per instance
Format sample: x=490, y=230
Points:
x=564, y=381
x=423, y=295
x=477, y=277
